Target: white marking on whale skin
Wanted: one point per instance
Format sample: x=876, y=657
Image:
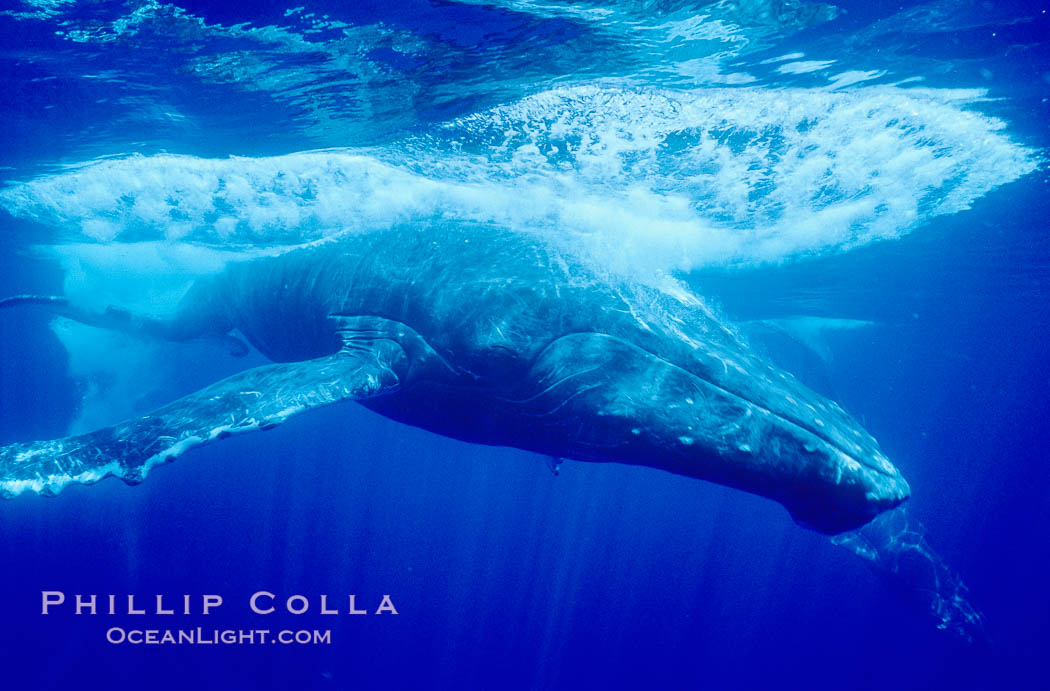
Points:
x=96, y=474
x=727, y=363
x=289, y=411
x=217, y=432
x=169, y=454
x=53, y=484
x=883, y=462
x=16, y=487
x=846, y=468
x=30, y=454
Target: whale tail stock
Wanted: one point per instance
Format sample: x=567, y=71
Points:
x=110, y=318
x=117, y=319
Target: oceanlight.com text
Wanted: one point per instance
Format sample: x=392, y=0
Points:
x=202, y=636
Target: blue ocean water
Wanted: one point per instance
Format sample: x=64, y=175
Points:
x=860, y=186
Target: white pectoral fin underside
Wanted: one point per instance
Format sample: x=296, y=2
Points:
x=255, y=399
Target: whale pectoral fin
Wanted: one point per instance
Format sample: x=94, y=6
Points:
x=256, y=399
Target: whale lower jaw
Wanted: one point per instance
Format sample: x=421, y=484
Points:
x=868, y=487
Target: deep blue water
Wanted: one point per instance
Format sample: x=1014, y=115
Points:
x=876, y=162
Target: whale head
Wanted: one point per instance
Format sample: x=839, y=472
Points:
x=727, y=417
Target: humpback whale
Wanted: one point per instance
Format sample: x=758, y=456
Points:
x=492, y=337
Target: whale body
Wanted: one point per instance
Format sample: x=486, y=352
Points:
x=492, y=337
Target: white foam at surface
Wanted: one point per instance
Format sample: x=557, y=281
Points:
x=779, y=171
x=645, y=181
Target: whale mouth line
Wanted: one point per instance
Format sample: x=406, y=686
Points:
x=796, y=424
x=814, y=431
x=867, y=464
